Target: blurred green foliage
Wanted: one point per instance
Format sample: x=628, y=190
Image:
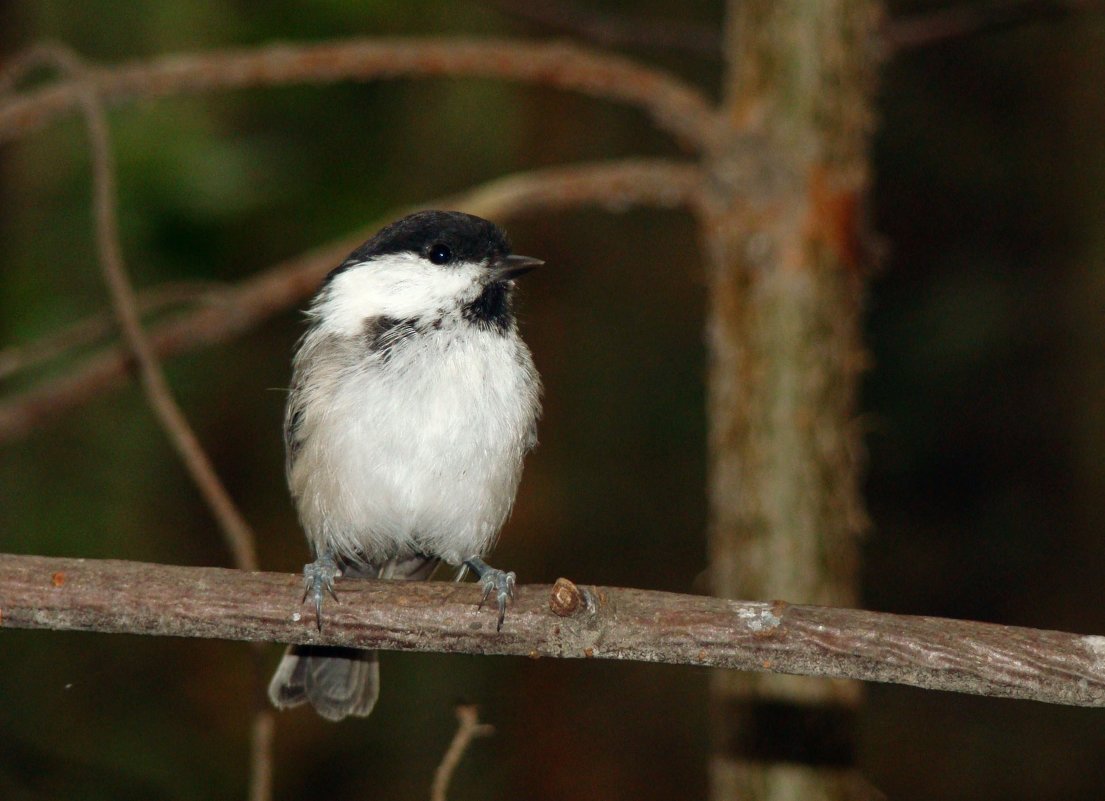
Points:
x=985, y=407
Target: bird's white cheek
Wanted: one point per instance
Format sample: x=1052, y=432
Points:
x=399, y=287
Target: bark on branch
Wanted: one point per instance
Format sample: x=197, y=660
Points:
x=562, y=621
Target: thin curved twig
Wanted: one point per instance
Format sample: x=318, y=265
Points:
x=615, y=186
x=468, y=729
x=236, y=532
x=673, y=105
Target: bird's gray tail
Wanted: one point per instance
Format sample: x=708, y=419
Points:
x=337, y=681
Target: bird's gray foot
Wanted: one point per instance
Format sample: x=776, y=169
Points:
x=318, y=578
x=492, y=580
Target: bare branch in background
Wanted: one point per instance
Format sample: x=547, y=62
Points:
x=39, y=592
x=261, y=738
x=468, y=729
x=674, y=106
x=898, y=35
x=236, y=531
x=15, y=359
x=975, y=19
x=616, y=30
x=615, y=186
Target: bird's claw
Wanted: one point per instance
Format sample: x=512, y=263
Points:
x=318, y=578
x=501, y=582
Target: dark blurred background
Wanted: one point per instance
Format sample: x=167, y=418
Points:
x=984, y=408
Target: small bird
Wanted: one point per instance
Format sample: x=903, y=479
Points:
x=413, y=402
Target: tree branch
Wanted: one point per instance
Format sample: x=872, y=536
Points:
x=614, y=185
x=967, y=19
x=468, y=729
x=236, y=532
x=674, y=106
x=96, y=328
x=616, y=30
x=564, y=621
x=976, y=18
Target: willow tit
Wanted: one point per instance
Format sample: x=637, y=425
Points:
x=413, y=403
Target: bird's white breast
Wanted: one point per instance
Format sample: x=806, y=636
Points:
x=421, y=451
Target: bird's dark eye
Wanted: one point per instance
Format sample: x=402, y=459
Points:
x=440, y=253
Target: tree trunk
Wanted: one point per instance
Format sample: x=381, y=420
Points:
x=782, y=233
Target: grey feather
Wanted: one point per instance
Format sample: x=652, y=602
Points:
x=337, y=682
x=414, y=401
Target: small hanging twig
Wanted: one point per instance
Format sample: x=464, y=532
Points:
x=468, y=729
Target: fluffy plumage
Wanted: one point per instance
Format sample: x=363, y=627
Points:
x=413, y=403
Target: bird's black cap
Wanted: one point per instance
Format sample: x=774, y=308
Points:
x=465, y=236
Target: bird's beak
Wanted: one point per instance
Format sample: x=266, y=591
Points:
x=512, y=267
